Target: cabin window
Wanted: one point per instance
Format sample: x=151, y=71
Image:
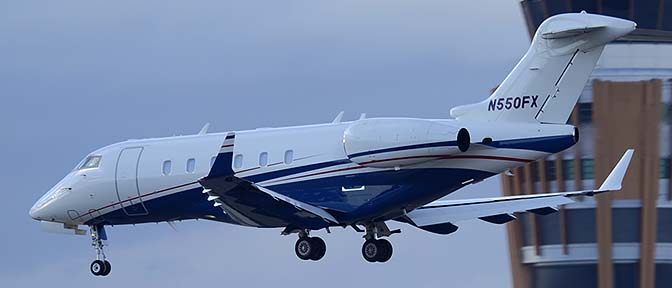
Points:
x=289, y=156
x=263, y=159
x=238, y=161
x=167, y=167
x=191, y=165
x=91, y=162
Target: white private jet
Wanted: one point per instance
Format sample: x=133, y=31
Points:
x=357, y=174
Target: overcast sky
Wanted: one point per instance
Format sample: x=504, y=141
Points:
x=78, y=75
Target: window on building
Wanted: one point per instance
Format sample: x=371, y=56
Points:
x=534, y=171
x=585, y=112
x=663, y=275
x=167, y=167
x=549, y=226
x=626, y=228
x=664, y=168
x=191, y=165
x=238, y=161
x=664, y=224
x=666, y=114
x=550, y=171
x=526, y=224
x=617, y=8
x=587, y=169
x=561, y=276
x=568, y=169
x=289, y=156
x=646, y=13
x=581, y=226
x=263, y=159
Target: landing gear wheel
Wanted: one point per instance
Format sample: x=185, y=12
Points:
x=304, y=248
x=387, y=250
x=108, y=268
x=320, y=248
x=310, y=248
x=377, y=250
x=371, y=250
x=98, y=268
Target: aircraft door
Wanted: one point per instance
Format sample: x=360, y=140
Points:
x=126, y=180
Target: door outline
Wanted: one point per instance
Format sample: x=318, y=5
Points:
x=137, y=186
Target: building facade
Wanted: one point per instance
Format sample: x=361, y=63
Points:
x=621, y=239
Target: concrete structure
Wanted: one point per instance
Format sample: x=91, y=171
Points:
x=621, y=239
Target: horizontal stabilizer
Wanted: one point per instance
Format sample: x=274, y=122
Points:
x=568, y=30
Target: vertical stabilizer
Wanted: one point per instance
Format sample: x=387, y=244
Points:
x=546, y=83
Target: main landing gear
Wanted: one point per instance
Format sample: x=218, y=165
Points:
x=377, y=250
x=373, y=250
x=100, y=266
x=309, y=248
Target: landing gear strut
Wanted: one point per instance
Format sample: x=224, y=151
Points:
x=100, y=266
x=309, y=248
x=377, y=250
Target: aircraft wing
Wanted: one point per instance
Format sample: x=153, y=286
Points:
x=499, y=210
x=254, y=205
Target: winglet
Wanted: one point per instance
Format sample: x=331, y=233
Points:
x=615, y=178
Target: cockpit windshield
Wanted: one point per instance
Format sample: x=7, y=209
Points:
x=91, y=162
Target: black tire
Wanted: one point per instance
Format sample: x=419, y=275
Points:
x=387, y=250
x=371, y=250
x=304, y=248
x=320, y=248
x=108, y=268
x=97, y=267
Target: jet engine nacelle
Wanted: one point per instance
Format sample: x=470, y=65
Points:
x=386, y=143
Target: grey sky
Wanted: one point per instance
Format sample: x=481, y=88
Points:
x=77, y=75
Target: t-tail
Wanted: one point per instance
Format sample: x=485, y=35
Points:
x=546, y=83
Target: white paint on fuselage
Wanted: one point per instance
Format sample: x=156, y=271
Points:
x=86, y=194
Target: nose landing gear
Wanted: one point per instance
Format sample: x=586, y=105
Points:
x=100, y=266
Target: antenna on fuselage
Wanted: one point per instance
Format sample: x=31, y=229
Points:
x=338, y=117
x=204, y=130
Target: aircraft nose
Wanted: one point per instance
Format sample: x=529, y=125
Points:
x=49, y=207
x=34, y=212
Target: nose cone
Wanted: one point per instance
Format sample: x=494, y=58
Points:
x=49, y=208
x=34, y=213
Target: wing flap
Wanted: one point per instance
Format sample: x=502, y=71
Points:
x=252, y=205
